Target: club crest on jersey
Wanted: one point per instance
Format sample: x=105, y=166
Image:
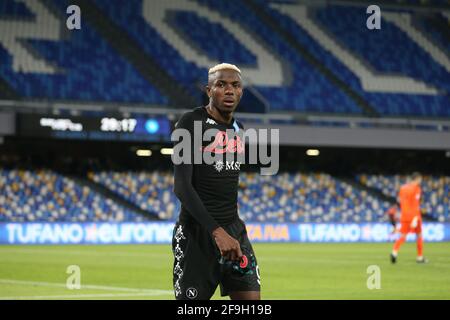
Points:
x=191, y=293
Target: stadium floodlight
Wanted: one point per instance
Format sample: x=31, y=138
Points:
x=167, y=151
x=144, y=153
x=312, y=152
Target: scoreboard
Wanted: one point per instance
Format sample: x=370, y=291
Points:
x=141, y=129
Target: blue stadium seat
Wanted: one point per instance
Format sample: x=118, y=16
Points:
x=12, y=9
x=89, y=68
x=389, y=50
x=435, y=192
x=437, y=37
x=287, y=197
x=150, y=191
x=45, y=196
x=194, y=28
x=344, y=24
x=309, y=90
x=318, y=198
x=130, y=18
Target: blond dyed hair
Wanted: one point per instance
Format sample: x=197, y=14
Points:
x=223, y=66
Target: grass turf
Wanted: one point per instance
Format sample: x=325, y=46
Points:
x=288, y=271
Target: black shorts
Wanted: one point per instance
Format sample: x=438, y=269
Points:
x=197, y=269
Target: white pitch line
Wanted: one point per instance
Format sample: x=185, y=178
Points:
x=86, y=286
x=84, y=253
x=75, y=296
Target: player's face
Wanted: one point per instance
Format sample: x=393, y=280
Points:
x=225, y=90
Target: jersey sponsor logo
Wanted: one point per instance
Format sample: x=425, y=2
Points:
x=228, y=165
x=210, y=121
x=222, y=144
x=191, y=293
x=190, y=146
x=233, y=165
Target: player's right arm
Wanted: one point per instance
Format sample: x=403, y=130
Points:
x=186, y=193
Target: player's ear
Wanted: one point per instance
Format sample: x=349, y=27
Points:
x=208, y=90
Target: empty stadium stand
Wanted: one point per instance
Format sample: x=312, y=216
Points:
x=318, y=59
x=435, y=190
x=370, y=62
x=43, y=60
x=151, y=191
x=287, y=197
x=45, y=196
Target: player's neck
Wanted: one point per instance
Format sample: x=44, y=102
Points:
x=224, y=117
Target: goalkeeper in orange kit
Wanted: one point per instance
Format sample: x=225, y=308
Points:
x=411, y=218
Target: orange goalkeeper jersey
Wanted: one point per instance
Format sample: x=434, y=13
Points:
x=409, y=197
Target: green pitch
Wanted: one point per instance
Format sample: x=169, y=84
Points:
x=288, y=271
